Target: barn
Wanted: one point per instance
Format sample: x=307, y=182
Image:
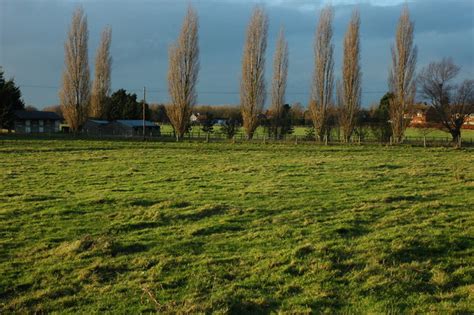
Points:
x=96, y=127
x=36, y=122
x=135, y=128
x=126, y=128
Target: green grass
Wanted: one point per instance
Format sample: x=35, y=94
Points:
x=467, y=134
x=128, y=227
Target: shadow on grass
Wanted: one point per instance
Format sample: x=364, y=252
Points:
x=252, y=307
x=217, y=229
x=192, y=247
x=330, y=304
x=39, y=304
x=126, y=249
x=429, y=250
x=102, y=272
x=241, y=303
x=134, y=226
x=410, y=198
x=179, y=204
x=102, y=201
x=202, y=213
x=40, y=198
x=144, y=202
x=351, y=231
x=386, y=167
x=11, y=289
x=75, y=211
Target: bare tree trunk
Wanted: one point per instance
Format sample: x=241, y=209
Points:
x=323, y=77
x=101, y=84
x=349, y=90
x=402, y=75
x=75, y=90
x=252, y=86
x=280, y=74
x=183, y=74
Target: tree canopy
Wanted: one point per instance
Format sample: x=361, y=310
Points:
x=123, y=105
x=10, y=100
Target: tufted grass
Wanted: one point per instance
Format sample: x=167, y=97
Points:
x=128, y=227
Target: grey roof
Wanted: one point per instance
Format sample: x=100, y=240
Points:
x=100, y=122
x=36, y=114
x=136, y=123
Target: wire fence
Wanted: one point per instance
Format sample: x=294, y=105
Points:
x=421, y=141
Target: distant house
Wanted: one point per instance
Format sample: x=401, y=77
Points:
x=469, y=124
x=198, y=118
x=418, y=118
x=194, y=117
x=36, y=121
x=120, y=128
x=425, y=116
x=417, y=115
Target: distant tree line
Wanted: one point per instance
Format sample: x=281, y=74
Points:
x=325, y=112
x=80, y=99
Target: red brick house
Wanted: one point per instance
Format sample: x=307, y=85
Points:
x=425, y=116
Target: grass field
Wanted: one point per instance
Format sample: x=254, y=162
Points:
x=128, y=227
x=467, y=134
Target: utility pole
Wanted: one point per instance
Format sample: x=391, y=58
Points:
x=143, y=108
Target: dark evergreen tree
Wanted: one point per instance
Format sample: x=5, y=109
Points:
x=10, y=101
x=286, y=121
x=380, y=119
x=278, y=125
x=122, y=105
x=230, y=127
x=207, y=124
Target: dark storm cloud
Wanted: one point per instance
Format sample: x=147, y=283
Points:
x=32, y=35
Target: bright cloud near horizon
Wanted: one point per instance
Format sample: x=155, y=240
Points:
x=32, y=34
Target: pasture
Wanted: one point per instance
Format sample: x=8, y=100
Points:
x=127, y=227
x=301, y=131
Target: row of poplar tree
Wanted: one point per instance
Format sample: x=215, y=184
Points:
x=81, y=99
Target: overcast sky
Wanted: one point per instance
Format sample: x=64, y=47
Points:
x=32, y=34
